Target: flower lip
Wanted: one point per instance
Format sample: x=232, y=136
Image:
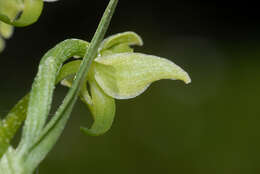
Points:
x=118, y=73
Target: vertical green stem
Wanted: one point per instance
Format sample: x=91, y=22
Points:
x=66, y=107
x=72, y=95
x=96, y=41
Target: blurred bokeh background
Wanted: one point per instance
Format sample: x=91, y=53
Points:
x=208, y=126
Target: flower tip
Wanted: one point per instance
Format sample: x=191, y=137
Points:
x=139, y=41
x=187, y=79
x=91, y=132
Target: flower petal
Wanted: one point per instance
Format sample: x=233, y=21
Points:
x=10, y=9
x=102, y=109
x=6, y=30
x=127, y=75
x=68, y=70
x=101, y=105
x=67, y=74
x=120, y=43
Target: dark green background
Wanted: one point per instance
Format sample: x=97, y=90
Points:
x=209, y=126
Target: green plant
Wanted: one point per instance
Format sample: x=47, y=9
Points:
x=19, y=13
x=110, y=68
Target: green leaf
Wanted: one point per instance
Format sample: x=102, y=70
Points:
x=42, y=89
x=120, y=43
x=51, y=132
x=14, y=119
x=11, y=123
x=131, y=73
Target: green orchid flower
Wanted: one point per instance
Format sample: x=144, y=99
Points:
x=18, y=13
x=21, y=13
x=118, y=73
x=109, y=70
